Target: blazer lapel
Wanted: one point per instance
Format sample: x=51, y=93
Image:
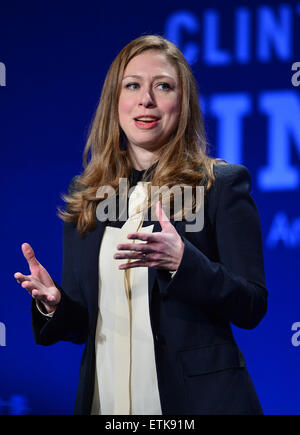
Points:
x=90, y=264
x=151, y=270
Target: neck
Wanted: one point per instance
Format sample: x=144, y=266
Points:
x=142, y=159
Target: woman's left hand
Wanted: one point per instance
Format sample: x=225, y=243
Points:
x=162, y=250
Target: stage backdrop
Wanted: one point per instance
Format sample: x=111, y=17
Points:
x=54, y=57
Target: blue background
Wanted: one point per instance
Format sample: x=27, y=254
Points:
x=56, y=55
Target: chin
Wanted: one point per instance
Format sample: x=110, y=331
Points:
x=154, y=143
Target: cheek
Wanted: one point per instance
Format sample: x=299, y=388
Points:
x=172, y=107
x=173, y=111
x=124, y=107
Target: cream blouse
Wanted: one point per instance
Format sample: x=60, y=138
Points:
x=126, y=379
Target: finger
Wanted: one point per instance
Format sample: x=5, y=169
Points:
x=138, y=264
x=162, y=217
x=135, y=256
x=35, y=266
x=29, y=285
x=139, y=247
x=146, y=237
x=30, y=257
x=127, y=255
x=20, y=277
x=37, y=293
x=47, y=298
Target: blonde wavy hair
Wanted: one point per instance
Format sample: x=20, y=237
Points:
x=183, y=160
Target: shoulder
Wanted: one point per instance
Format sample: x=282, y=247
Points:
x=231, y=176
x=232, y=183
x=227, y=172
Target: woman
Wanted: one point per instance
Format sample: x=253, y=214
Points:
x=152, y=300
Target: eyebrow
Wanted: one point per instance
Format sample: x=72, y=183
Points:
x=155, y=77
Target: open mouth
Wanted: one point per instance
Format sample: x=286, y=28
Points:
x=146, y=121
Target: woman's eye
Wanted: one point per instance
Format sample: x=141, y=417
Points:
x=164, y=86
x=132, y=86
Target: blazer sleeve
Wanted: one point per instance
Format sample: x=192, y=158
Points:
x=70, y=320
x=234, y=286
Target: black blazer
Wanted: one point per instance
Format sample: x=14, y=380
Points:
x=220, y=280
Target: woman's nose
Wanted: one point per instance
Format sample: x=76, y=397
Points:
x=147, y=99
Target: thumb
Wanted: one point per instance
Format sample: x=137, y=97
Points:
x=30, y=257
x=162, y=217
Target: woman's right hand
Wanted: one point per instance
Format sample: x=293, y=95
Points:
x=39, y=283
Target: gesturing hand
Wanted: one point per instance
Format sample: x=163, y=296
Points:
x=39, y=284
x=162, y=250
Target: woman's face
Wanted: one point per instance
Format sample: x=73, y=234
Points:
x=150, y=100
